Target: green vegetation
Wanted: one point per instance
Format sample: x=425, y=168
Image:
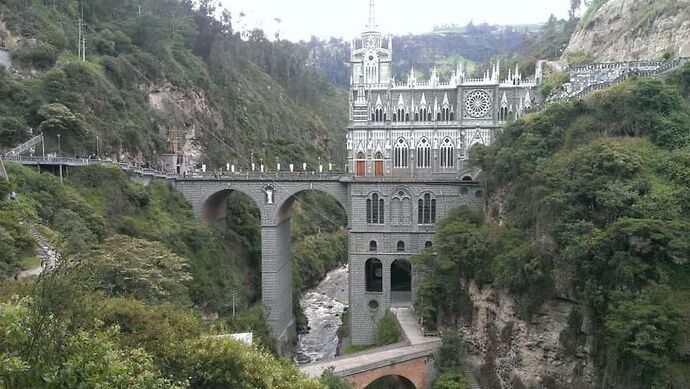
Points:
x=139, y=271
x=387, y=333
x=449, y=362
x=387, y=330
x=553, y=83
x=580, y=58
x=592, y=11
x=333, y=381
x=587, y=200
x=157, y=69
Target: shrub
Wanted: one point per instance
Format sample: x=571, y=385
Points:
x=39, y=55
x=451, y=379
x=387, y=330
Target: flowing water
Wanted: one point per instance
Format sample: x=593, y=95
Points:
x=324, y=307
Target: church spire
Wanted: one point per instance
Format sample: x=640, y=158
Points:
x=372, y=19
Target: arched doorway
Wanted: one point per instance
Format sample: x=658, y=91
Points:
x=378, y=165
x=391, y=382
x=401, y=282
x=361, y=162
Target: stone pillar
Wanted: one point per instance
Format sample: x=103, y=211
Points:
x=276, y=279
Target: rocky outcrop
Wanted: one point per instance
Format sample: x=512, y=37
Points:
x=622, y=30
x=508, y=351
x=188, y=112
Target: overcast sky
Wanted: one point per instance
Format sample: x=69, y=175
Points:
x=300, y=19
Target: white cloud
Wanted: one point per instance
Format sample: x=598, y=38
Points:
x=299, y=19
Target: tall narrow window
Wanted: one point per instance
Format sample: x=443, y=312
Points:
x=375, y=206
x=372, y=245
x=424, y=154
x=426, y=211
x=400, y=154
x=373, y=270
x=401, y=245
x=447, y=153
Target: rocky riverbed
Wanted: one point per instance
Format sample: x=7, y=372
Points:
x=324, y=307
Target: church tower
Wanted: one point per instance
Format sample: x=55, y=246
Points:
x=370, y=58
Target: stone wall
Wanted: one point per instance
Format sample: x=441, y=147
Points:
x=366, y=308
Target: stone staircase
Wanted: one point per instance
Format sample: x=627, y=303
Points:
x=49, y=256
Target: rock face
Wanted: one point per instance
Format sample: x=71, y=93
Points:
x=188, y=112
x=633, y=30
x=509, y=352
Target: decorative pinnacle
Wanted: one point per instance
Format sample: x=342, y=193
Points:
x=372, y=19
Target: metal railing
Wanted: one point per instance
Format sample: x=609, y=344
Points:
x=26, y=146
x=664, y=68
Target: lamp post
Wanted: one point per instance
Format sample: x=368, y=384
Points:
x=59, y=145
x=98, y=147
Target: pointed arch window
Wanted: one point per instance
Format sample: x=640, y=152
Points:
x=447, y=153
x=424, y=154
x=426, y=209
x=400, y=154
x=503, y=113
x=378, y=115
x=375, y=206
x=445, y=114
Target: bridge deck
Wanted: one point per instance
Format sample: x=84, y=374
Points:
x=276, y=176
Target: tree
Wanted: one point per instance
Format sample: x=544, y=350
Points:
x=644, y=333
x=130, y=267
x=57, y=118
x=30, y=358
x=12, y=130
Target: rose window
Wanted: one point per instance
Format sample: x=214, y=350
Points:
x=477, y=104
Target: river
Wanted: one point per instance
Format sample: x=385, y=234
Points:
x=324, y=307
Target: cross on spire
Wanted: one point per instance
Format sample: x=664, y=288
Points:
x=372, y=19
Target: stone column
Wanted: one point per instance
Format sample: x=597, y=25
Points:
x=276, y=279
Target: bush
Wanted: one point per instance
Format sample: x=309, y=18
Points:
x=39, y=55
x=452, y=350
x=387, y=330
x=333, y=381
x=451, y=379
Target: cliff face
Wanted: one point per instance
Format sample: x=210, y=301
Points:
x=510, y=352
x=632, y=30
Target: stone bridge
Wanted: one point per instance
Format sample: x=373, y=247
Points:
x=274, y=195
x=413, y=361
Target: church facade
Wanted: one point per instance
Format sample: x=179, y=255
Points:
x=408, y=143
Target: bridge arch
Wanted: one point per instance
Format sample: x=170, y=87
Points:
x=213, y=204
x=391, y=381
x=288, y=196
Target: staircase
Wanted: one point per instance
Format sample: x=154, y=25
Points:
x=26, y=146
x=49, y=256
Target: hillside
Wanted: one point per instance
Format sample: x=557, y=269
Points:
x=161, y=76
x=474, y=45
x=577, y=272
x=621, y=30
